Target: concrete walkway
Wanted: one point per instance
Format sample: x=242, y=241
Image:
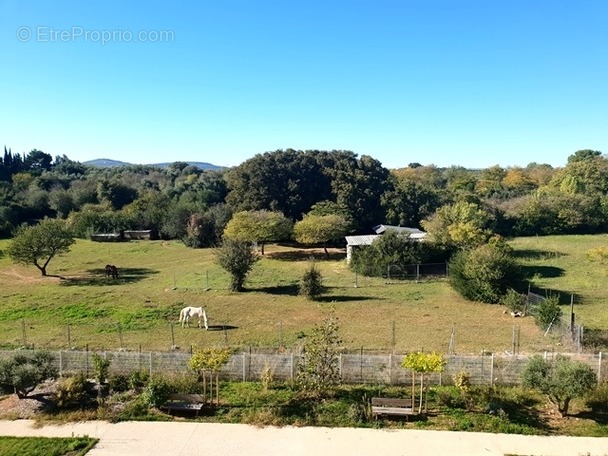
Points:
x=189, y=438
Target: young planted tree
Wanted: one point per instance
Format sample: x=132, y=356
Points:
x=101, y=368
x=208, y=363
x=22, y=372
x=39, y=244
x=237, y=258
x=561, y=380
x=423, y=364
x=311, y=285
x=320, y=371
x=548, y=313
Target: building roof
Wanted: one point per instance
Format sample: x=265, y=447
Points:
x=379, y=229
x=365, y=239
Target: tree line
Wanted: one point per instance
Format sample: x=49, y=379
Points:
x=455, y=204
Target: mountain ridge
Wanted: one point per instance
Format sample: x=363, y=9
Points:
x=109, y=163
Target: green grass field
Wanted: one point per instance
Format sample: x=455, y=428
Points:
x=78, y=306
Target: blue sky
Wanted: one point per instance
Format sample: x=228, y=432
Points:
x=470, y=83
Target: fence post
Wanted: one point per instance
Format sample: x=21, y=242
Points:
x=61, y=363
x=340, y=365
x=361, y=365
x=291, y=369
x=599, y=369
x=390, y=368
x=244, y=367
x=172, y=335
x=150, y=366
x=492, y=371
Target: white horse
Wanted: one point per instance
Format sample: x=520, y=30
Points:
x=188, y=312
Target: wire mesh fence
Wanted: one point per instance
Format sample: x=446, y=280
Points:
x=416, y=272
x=354, y=368
x=563, y=325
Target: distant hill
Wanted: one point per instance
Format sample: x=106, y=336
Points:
x=107, y=163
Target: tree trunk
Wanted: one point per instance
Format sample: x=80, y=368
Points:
x=421, y=392
x=42, y=269
x=326, y=252
x=217, y=389
x=205, y=385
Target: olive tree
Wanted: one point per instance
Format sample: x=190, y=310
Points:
x=22, y=372
x=561, y=380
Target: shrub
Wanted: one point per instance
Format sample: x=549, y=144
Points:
x=514, y=301
x=548, y=312
x=450, y=397
x=267, y=376
x=72, y=392
x=599, y=254
x=138, y=380
x=237, y=258
x=484, y=273
x=156, y=392
x=597, y=399
x=101, y=366
x=311, y=285
x=118, y=383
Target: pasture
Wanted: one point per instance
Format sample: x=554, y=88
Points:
x=79, y=306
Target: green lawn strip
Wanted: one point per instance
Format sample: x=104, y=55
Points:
x=45, y=446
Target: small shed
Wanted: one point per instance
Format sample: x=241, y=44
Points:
x=356, y=241
x=353, y=242
x=106, y=237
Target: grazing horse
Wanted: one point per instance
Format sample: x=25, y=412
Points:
x=111, y=271
x=188, y=312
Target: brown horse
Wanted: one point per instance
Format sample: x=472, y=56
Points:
x=111, y=271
